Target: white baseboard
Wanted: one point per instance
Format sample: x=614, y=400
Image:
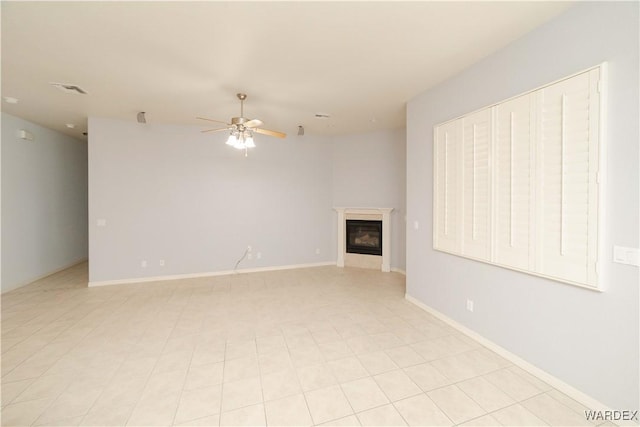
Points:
x=399, y=270
x=57, y=270
x=565, y=388
x=207, y=274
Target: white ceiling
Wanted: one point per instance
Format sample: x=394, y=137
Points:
x=358, y=61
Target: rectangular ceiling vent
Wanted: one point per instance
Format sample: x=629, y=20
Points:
x=69, y=88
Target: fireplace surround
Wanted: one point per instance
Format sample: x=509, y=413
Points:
x=345, y=258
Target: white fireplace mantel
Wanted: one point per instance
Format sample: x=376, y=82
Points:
x=384, y=213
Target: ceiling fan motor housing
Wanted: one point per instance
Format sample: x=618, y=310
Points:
x=238, y=120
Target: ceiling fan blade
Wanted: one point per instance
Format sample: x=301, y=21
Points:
x=211, y=120
x=214, y=130
x=271, y=133
x=253, y=123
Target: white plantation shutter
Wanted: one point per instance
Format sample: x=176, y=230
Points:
x=476, y=184
x=514, y=182
x=567, y=167
x=447, y=205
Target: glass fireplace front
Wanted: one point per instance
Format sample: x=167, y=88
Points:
x=364, y=237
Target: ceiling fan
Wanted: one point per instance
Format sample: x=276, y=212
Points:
x=241, y=129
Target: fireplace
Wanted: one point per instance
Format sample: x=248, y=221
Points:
x=364, y=237
x=349, y=259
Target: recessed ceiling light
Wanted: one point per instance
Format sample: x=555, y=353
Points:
x=322, y=116
x=70, y=125
x=10, y=100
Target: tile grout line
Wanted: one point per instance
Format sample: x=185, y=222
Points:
x=517, y=402
x=135, y=405
x=113, y=376
x=58, y=359
x=264, y=404
x=184, y=381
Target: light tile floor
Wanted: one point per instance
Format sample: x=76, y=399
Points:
x=317, y=346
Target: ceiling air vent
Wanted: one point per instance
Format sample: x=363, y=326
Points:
x=69, y=88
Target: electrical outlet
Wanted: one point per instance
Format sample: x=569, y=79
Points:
x=143, y=263
x=317, y=251
x=470, y=305
x=259, y=255
x=249, y=256
x=629, y=256
x=161, y=263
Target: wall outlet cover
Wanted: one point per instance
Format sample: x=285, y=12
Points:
x=629, y=256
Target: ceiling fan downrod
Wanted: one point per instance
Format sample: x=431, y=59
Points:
x=241, y=97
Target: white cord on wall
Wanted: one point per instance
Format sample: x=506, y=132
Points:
x=241, y=259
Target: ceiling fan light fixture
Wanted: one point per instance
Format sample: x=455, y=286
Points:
x=248, y=142
x=240, y=143
x=232, y=140
x=241, y=129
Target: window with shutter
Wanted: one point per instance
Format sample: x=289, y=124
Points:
x=516, y=184
x=476, y=184
x=447, y=188
x=566, y=170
